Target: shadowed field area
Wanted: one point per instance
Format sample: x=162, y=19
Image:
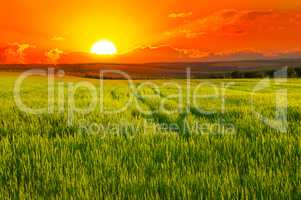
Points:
x=218, y=148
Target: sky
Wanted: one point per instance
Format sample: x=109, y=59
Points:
x=49, y=31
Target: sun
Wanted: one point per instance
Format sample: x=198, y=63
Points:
x=104, y=47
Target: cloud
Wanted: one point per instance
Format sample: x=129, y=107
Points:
x=180, y=15
x=20, y=51
x=161, y=53
x=2, y=55
x=57, y=38
x=235, y=55
x=78, y=57
x=166, y=53
x=253, y=15
x=287, y=55
x=243, y=54
x=200, y=55
x=14, y=52
x=29, y=54
x=237, y=23
x=250, y=55
x=226, y=14
x=53, y=55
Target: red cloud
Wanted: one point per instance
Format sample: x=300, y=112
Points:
x=229, y=30
x=154, y=54
x=53, y=55
x=13, y=53
x=27, y=54
x=234, y=22
x=180, y=15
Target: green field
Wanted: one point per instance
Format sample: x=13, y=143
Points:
x=141, y=155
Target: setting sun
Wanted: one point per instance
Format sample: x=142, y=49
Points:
x=104, y=47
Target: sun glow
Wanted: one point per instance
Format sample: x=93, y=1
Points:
x=104, y=47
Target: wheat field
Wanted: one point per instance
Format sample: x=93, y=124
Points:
x=223, y=151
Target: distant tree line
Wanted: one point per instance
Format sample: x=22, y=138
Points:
x=292, y=72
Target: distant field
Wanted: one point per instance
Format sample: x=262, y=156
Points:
x=249, y=69
x=235, y=156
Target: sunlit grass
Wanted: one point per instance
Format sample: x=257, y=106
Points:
x=42, y=157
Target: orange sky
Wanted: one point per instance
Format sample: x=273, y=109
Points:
x=63, y=31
